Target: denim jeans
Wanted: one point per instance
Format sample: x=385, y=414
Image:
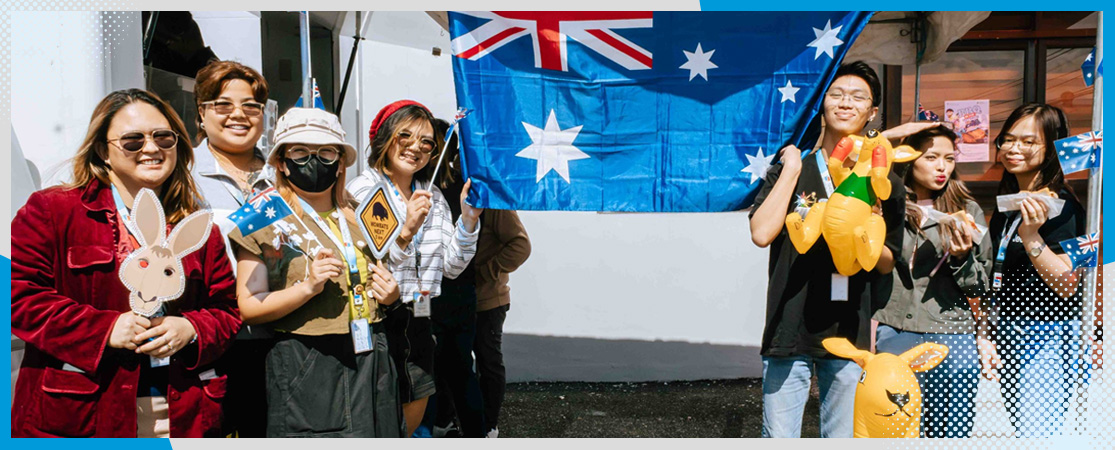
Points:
x=1043, y=363
x=786, y=381
x=948, y=391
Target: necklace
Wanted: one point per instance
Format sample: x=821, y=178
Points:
x=243, y=178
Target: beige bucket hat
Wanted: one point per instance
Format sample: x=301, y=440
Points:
x=311, y=126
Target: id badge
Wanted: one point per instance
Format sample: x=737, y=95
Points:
x=839, y=288
x=421, y=305
x=160, y=362
x=361, y=335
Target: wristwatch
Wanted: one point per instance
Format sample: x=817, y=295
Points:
x=1036, y=251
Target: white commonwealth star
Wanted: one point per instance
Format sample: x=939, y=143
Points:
x=826, y=40
x=698, y=62
x=758, y=164
x=270, y=213
x=789, y=92
x=552, y=147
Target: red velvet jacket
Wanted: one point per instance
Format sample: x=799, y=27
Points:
x=65, y=299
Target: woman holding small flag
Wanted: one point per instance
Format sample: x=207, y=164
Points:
x=1033, y=285
x=430, y=246
x=87, y=368
x=301, y=272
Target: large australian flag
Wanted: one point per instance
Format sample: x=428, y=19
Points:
x=638, y=111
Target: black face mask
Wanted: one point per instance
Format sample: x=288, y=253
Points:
x=314, y=176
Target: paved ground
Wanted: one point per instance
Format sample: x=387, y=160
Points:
x=725, y=408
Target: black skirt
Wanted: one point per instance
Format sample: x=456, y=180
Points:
x=317, y=386
x=411, y=342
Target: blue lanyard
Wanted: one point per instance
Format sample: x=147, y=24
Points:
x=826, y=178
x=122, y=209
x=346, y=246
x=1001, y=255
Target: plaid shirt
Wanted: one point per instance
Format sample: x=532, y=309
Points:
x=441, y=248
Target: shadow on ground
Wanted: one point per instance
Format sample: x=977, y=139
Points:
x=684, y=409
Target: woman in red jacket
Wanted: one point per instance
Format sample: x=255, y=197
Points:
x=86, y=370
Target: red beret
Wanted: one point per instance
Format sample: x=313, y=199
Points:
x=386, y=112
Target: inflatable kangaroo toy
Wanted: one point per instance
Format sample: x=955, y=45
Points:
x=888, y=398
x=854, y=235
x=153, y=272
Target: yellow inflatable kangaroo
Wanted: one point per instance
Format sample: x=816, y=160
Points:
x=888, y=398
x=854, y=235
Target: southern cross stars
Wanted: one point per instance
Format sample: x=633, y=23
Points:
x=789, y=92
x=758, y=164
x=826, y=40
x=698, y=62
x=552, y=147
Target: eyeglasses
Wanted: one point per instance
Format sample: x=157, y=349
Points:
x=406, y=139
x=1025, y=145
x=135, y=141
x=225, y=107
x=856, y=96
x=301, y=155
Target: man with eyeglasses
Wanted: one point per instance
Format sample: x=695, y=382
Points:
x=807, y=301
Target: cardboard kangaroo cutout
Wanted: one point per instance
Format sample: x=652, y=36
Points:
x=854, y=235
x=888, y=397
x=153, y=272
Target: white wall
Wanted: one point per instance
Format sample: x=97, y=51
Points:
x=59, y=75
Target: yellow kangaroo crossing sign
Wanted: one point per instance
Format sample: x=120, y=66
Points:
x=379, y=220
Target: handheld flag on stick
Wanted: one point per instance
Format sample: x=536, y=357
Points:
x=1080, y=152
x=1083, y=251
x=269, y=209
x=318, y=103
x=461, y=114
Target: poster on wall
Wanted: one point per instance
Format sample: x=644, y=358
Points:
x=972, y=122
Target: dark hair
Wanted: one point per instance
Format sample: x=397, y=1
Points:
x=1054, y=125
x=178, y=195
x=955, y=195
x=212, y=78
x=867, y=74
x=377, y=157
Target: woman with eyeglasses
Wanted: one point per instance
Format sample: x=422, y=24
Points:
x=1038, y=297
x=943, y=264
x=404, y=151
x=86, y=371
x=313, y=281
x=229, y=166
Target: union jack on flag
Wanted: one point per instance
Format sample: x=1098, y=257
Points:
x=549, y=31
x=1080, y=152
x=262, y=210
x=1083, y=251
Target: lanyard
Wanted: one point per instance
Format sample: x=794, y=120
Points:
x=826, y=178
x=123, y=211
x=417, y=240
x=1001, y=255
x=346, y=246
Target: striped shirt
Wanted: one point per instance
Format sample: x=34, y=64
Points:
x=441, y=248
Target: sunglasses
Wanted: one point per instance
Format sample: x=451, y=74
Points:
x=135, y=141
x=301, y=155
x=425, y=145
x=225, y=107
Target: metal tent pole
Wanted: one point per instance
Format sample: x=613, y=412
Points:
x=307, y=72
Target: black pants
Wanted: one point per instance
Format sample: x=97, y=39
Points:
x=317, y=386
x=489, y=361
x=245, y=405
x=458, y=390
x=411, y=342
